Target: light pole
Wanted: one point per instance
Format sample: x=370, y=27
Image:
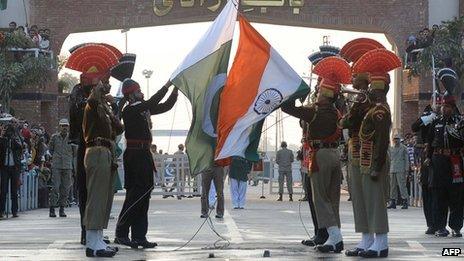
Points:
x=124, y=31
x=147, y=73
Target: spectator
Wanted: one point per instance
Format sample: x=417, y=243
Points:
x=216, y=175
x=238, y=174
x=20, y=30
x=45, y=43
x=12, y=26
x=38, y=148
x=62, y=153
x=36, y=38
x=399, y=167
x=10, y=163
x=284, y=159
x=411, y=46
x=46, y=137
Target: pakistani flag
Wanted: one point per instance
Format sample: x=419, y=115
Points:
x=201, y=77
x=3, y=4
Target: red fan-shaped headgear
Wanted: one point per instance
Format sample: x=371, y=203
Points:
x=94, y=61
x=356, y=48
x=377, y=62
x=334, y=69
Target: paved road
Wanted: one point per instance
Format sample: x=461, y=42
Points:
x=263, y=225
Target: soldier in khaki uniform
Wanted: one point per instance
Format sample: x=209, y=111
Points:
x=324, y=138
x=374, y=134
x=62, y=153
x=352, y=51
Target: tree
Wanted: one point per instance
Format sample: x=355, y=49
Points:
x=18, y=69
x=447, y=43
x=66, y=82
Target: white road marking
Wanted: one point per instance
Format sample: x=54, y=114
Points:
x=235, y=236
x=59, y=244
x=416, y=246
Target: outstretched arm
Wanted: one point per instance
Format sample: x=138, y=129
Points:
x=304, y=113
x=167, y=105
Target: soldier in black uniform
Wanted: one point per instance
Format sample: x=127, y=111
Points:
x=138, y=161
x=445, y=156
x=422, y=127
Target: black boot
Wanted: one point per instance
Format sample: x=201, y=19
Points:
x=52, y=212
x=331, y=248
x=280, y=197
x=62, y=214
x=392, y=204
x=143, y=243
x=290, y=197
x=405, y=204
x=83, y=237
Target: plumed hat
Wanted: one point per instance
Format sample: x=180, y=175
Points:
x=125, y=68
x=333, y=71
x=94, y=61
x=354, y=49
x=377, y=63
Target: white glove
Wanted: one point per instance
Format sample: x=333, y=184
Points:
x=428, y=118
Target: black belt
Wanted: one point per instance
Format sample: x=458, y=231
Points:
x=323, y=145
x=99, y=142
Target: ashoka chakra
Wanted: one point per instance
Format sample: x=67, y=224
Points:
x=267, y=101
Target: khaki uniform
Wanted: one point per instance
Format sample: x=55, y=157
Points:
x=352, y=121
x=99, y=134
x=325, y=169
x=374, y=137
x=62, y=164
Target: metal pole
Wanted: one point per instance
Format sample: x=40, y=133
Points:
x=148, y=87
x=125, y=33
x=434, y=89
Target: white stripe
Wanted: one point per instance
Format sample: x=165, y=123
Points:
x=277, y=75
x=220, y=32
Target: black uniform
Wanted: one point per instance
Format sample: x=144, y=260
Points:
x=138, y=163
x=425, y=172
x=447, y=189
x=77, y=103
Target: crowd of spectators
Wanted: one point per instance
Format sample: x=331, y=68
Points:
x=422, y=39
x=31, y=157
x=39, y=37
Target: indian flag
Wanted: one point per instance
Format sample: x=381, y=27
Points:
x=201, y=77
x=259, y=81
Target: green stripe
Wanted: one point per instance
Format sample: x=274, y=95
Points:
x=193, y=83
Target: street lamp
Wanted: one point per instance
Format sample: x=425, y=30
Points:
x=147, y=73
x=124, y=31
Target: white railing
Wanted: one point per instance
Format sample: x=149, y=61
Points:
x=27, y=192
x=173, y=176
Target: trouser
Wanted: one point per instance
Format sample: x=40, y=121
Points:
x=427, y=199
x=451, y=198
x=371, y=213
x=61, y=179
x=326, y=187
x=357, y=199
x=398, y=179
x=238, y=190
x=215, y=175
x=81, y=183
x=100, y=181
x=287, y=175
x=9, y=175
x=312, y=209
x=134, y=214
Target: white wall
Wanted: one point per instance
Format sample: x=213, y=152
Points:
x=14, y=12
x=442, y=10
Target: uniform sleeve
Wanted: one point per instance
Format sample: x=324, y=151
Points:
x=429, y=139
x=382, y=132
x=167, y=105
x=151, y=103
x=304, y=113
x=416, y=126
x=278, y=158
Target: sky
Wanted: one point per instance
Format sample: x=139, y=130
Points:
x=162, y=48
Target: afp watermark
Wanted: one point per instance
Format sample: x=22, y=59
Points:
x=451, y=251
